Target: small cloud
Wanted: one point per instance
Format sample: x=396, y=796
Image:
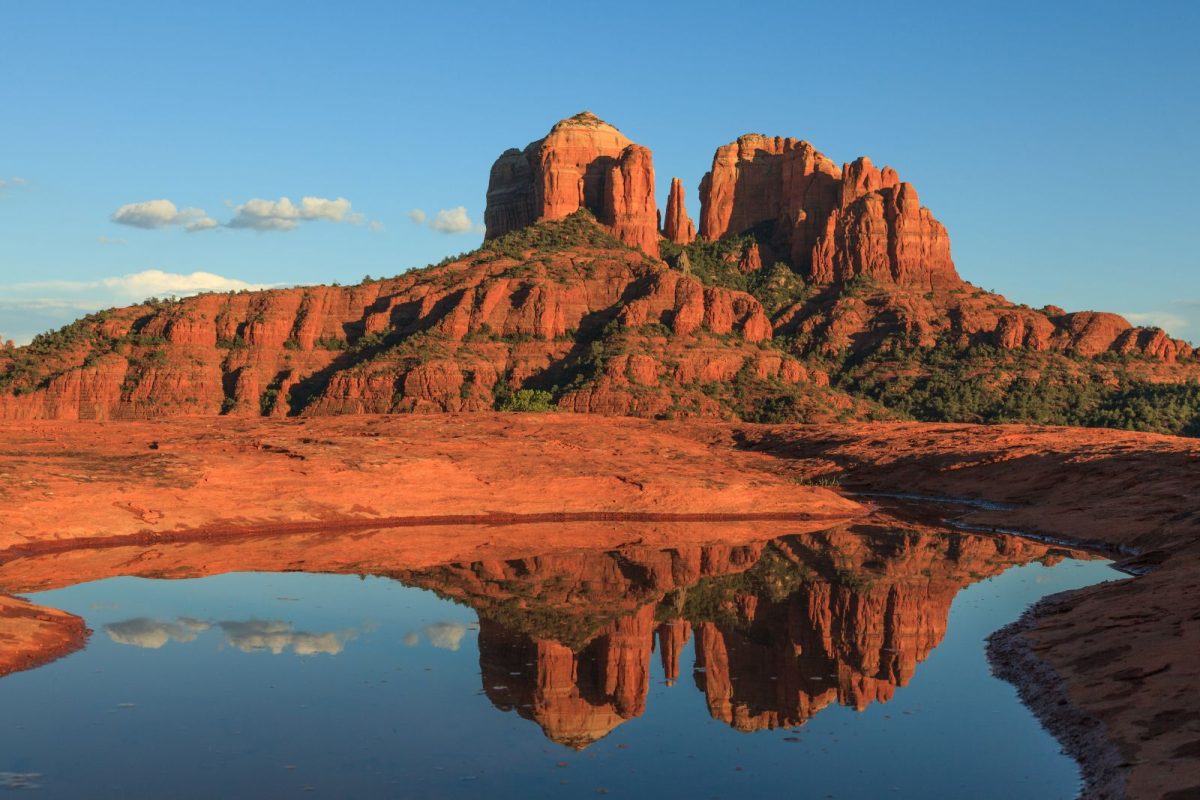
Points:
x=13, y=181
x=284, y=215
x=109, y=240
x=417, y=216
x=1167, y=320
x=153, y=214
x=376, y=227
x=452, y=220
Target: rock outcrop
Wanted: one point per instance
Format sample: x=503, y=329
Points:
x=804, y=261
x=678, y=226
x=831, y=224
x=452, y=338
x=583, y=163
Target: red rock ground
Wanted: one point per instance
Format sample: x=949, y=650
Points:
x=1123, y=651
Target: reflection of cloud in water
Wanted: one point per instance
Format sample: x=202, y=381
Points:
x=20, y=780
x=443, y=635
x=152, y=633
x=277, y=636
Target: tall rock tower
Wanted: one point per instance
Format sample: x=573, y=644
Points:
x=582, y=163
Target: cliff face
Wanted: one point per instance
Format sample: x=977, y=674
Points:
x=627, y=334
x=583, y=163
x=802, y=267
x=831, y=224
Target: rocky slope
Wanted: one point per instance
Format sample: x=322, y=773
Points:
x=813, y=292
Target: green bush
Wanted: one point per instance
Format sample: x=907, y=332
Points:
x=527, y=400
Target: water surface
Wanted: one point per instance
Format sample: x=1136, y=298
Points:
x=847, y=664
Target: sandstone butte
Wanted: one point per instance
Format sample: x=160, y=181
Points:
x=583, y=163
x=568, y=295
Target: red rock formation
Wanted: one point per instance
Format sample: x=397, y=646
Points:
x=835, y=224
x=583, y=163
x=426, y=341
x=458, y=336
x=775, y=182
x=678, y=227
x=628, y=203
x=751, y=260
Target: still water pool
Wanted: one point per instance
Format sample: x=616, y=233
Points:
x=844, y=665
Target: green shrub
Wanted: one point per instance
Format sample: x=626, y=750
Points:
x=527, y=400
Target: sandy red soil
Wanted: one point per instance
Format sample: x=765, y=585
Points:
x=1121, y=656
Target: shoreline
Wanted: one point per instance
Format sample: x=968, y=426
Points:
x=1041, y=689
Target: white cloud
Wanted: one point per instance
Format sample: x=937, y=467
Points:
x=1167, y=320
x=376, y=227
x=452, y=220
x=153, y=214
x=417, y=216
x=109, y=240
x=153, y=634
x=284, y=215
x=27, y=309
x=135, y=285
x=13, y=181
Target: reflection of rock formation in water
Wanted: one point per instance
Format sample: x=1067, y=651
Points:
x=673, y=635
x=781, y=630
x=576, y=696
x=571, y=597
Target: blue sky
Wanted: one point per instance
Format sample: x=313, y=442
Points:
x=1055, y=140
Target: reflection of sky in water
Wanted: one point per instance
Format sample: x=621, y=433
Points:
x=273, y=636
x=152, y=633
x=442, y=635
x=175, y=698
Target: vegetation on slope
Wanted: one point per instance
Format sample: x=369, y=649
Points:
x=883, y=374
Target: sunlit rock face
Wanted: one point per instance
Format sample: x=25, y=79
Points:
x=583, y=163
x=831, y=223
x=781, y=629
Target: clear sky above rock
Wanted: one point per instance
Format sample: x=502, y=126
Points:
x=283, y=143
